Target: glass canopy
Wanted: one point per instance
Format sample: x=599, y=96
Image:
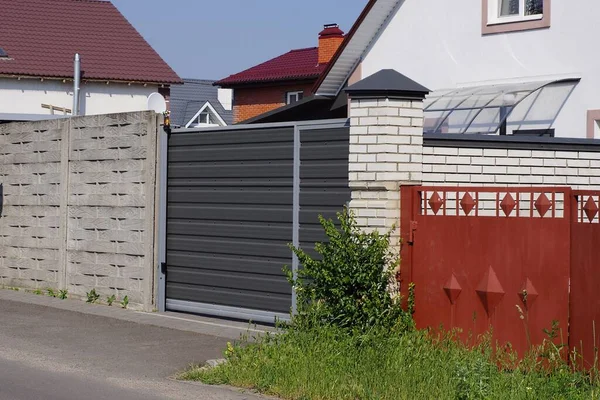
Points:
x=506, y=108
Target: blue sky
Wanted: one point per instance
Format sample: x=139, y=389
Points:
x=213, y=39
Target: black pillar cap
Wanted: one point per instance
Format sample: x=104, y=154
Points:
x=388, y=83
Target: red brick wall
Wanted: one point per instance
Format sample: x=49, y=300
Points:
x=250, y=102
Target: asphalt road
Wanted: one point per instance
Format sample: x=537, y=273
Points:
x=48, y=354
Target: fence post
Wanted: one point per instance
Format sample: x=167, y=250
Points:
x=65, y=149
x=386, y=148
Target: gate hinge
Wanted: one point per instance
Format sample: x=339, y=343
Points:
x=411, y=234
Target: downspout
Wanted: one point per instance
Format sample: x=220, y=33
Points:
x=76, y=84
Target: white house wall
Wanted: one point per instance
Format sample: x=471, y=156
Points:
x=439, y=43
x=26, y=96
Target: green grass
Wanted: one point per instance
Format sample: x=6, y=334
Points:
x=327, y=363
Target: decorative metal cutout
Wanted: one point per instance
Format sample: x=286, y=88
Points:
x=490, y=291
x=528, y=293
x=508, y=204
x=453, y=289
x=591, y=209
x=467, y=203
x=542, y=205
x=436, y=202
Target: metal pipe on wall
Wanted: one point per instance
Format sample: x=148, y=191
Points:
x=76, y=84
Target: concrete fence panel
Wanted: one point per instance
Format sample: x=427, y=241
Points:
x=79, y=205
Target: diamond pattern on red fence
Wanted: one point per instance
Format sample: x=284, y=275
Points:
x=490, y=291
x=452, y=289
x=591, y=209
x=528, y=293
x=508, y=204
x=542, y=204
x=494, y=202
x=436, y=202
x=467, y=203
x=588, y=207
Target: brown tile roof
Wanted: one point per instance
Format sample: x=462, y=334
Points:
x=42, y=36
x=294, y=65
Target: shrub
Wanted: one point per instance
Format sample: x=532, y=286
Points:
x=347, y=286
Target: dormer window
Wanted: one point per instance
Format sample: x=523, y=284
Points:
x=206, y=116
x=3, y=53
x=501, y=16
x=293, y=97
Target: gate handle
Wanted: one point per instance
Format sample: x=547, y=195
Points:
x=411, y=233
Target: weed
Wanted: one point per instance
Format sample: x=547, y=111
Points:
x=92, y=296
x=348, y=285
x=351, y=340
x=110, y=300
x=62, y=294
x=125, y=302
x=327, y=363
x=38, y=292
x=51, y=292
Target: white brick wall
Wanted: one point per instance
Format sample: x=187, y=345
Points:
x=467, y=166
x=386, y=151
x=387, y=142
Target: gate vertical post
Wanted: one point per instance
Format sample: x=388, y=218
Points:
x=162, y=165
x=386, y=149
x=407, y=214
x=296, y=214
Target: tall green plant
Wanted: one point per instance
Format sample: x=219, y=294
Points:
x=347, y=286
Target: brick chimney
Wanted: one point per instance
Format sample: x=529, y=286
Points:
x=330, y=39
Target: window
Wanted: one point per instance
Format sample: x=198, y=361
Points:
x=515, y=15
x=517, y=10
x=293, y=97
x=205, y=118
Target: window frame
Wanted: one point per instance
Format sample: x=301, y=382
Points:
x=299, y=96
x=493, y=23
x=593, y=121
x=205, y=115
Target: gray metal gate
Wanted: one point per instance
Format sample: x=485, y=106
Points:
x=235, y=198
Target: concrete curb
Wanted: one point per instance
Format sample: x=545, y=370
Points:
x=176, y=321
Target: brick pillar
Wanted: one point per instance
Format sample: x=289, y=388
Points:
x=386, y=148
x=386, y=151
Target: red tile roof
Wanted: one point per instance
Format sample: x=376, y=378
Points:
x=295, y=65
x=41, y=38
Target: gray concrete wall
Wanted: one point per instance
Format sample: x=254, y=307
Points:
x=79, y=205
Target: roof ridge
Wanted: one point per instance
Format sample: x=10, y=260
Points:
x=89, y=1
x=303, y=49
x=211, y=81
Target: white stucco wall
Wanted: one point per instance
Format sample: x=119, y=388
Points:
x=26, y=96
x=439, y=44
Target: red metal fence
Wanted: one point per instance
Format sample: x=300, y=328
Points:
x=504, y=258
x=585, y=276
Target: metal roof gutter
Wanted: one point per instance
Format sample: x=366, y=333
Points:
x=368, y=26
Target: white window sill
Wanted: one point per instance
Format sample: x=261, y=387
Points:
x=515, y=19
